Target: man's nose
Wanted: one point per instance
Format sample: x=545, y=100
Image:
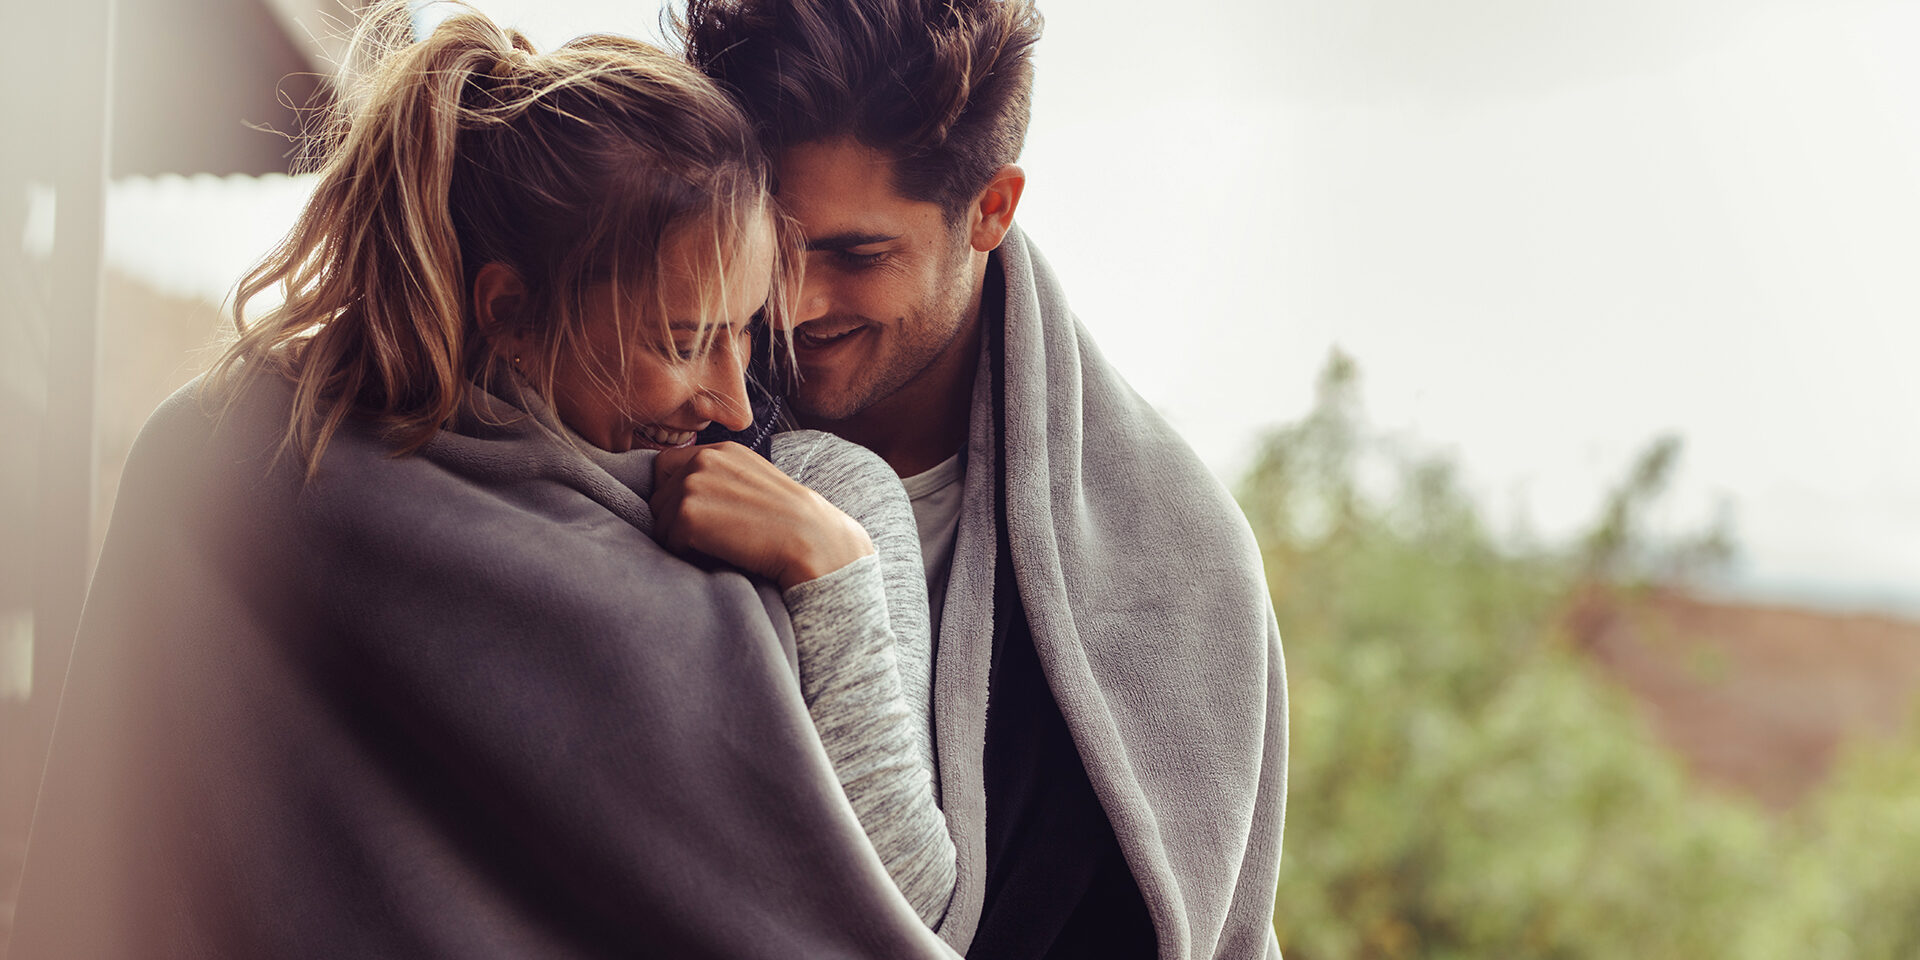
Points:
x=815, y=299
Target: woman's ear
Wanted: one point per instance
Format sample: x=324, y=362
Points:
x=992, y=214
x=499, y=298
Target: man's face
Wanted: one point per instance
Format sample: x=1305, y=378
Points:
x=887, y=280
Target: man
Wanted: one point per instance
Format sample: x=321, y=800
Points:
x=1109, y=695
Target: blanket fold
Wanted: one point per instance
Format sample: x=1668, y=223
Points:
x=1148, y=608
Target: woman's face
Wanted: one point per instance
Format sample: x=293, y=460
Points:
x=671, y=389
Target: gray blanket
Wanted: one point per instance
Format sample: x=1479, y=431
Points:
x=1148, y=608
x=451, y=705
x=461, y=704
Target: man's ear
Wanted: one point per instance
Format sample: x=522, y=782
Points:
x=499, y=297
x=992, y=213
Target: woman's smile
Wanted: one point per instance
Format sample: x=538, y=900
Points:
x=661, y=438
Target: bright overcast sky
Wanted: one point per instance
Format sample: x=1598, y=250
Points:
x=1547, y=230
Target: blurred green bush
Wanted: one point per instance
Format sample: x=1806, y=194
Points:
x=1464, y=785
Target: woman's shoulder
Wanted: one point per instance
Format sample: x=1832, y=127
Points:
x=815, y=457
x=209, y=431
x=221, y=447
x=216, y=455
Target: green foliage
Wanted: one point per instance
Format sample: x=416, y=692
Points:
x=1462, y=785
x=1857, y=872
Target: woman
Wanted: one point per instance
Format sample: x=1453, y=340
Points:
x=384, y=656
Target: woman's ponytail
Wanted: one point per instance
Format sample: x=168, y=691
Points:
x=374, y=315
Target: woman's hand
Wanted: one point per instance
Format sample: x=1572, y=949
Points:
x=727, y=502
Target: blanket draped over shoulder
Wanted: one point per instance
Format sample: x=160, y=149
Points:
x=456, y=704
x=1147, y=605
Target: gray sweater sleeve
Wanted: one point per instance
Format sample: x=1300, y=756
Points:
x=865, y=652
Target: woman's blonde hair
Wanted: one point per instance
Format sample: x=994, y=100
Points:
x=466, y=148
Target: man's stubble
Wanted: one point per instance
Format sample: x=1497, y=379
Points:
x=925, y=333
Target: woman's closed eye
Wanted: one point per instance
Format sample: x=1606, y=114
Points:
x=690, y=348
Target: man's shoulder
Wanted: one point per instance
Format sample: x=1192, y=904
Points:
x=1135, y=452
x=1129, y=454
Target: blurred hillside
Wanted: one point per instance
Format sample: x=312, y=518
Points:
x=1483, y=731
x=1756, y=699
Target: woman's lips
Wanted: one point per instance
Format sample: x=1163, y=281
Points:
x=661, y=438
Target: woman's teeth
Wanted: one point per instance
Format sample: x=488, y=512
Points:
x=661, y=436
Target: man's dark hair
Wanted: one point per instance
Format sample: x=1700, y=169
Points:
x=943, y=87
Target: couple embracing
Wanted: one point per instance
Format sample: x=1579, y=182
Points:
x=674, y=512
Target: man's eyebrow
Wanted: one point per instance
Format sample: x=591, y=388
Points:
x=850, y=238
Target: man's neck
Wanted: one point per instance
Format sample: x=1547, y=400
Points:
x=925, y=421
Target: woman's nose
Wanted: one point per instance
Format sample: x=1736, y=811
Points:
x=722, y=397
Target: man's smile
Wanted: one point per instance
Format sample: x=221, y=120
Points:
x=820, y=337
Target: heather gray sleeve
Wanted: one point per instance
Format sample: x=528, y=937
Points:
x=865, y=653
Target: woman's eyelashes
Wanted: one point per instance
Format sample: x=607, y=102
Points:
x=693, y=347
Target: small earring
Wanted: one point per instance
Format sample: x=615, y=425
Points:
x=516, y=361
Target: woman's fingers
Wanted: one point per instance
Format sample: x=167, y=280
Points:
x=727, y=502
x=671, y=463
x=713, y=470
